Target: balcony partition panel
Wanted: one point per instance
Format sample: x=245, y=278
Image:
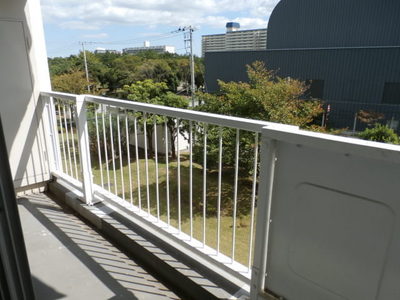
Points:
x=329, y=219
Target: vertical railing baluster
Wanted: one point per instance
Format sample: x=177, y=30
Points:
x=128, y=153
x=156, y=162
x=253, y=200
x=62, y=137
x=178, y=156
x=73, y=141
x=68, y=147
x=55, y=160
x=219, y=191
x=113, y=153
x=105, y=148
x=146, y=161
x=121, y=166
x=266, y=182
x=84, y=149
x=235, y=189
x=98, y=148
x=204, y=183
x=167, y=169
x=173, y=128
x=191, y=177
x=137, y=161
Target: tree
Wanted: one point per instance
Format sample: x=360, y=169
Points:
x=265, y=97
x=74, y=82
x=60, y=65
x=148, y=91
x=159, y=71
x=110, y=72
x=369, y=117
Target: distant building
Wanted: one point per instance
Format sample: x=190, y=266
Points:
x=147, y=47
x=103, y=50
x=349, y=52
x=235, y=40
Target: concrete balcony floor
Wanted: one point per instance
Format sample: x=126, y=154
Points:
x=70, y=260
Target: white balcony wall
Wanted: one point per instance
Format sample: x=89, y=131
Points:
x=23, y=74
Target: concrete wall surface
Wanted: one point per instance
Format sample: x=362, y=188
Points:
x=24, y=73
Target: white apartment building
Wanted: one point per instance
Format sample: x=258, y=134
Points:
x=235, y=40
x=104, y=51
x=147, y=47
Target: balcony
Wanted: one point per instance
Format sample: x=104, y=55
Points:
x=200, y=226
x=182, y=204
x=102, y=154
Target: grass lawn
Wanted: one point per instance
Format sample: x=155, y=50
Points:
x=243, y=206
x=243, y=197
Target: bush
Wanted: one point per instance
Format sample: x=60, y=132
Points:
x=380, y=133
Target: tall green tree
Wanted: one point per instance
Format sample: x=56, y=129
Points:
x=265, y=97
x=74, y=82
x=148, y=91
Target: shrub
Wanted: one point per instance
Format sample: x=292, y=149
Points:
x=380, y=133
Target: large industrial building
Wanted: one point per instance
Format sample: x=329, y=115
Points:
x=234, y=40
x=349, y=50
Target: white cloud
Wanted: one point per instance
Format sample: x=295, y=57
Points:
x=79, y=25
x=94, y=14
x=101, y=35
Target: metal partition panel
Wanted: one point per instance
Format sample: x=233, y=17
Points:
x=335, y=218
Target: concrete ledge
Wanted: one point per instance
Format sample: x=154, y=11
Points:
x=177, y=269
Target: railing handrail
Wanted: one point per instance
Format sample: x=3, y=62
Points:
x=65, y=96
x=198, y=116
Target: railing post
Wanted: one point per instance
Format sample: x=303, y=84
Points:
x=84, y=150
x=266, y=182
x=50, y=122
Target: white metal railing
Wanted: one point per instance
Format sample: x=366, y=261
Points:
x=225, y=176
x=202, y=196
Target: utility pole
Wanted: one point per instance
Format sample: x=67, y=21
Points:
x=86, y=66
x=188, y=38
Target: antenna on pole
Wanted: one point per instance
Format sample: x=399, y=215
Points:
x=86, y=66
x=188, y=39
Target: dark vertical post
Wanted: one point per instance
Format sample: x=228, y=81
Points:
x=15, y=275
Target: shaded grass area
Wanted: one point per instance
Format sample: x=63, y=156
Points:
x=244, y=195
x=211, y=194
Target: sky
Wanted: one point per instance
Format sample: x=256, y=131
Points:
x=118, y=24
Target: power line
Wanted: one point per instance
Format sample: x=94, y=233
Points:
x=129, y=41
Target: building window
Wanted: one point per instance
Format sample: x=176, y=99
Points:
x=391, y=93
x=315, y=88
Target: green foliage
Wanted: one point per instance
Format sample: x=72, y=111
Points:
x=265, y=97
x=380, y=133
x=111, y=72
x=74, y=82
x=148, y=91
